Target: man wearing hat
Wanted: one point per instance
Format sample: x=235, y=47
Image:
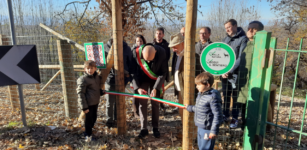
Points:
x=177, y=44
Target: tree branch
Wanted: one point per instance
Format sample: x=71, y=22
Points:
x=107, y=6
x=73, y=3
x=138, y=3
x=83, y=12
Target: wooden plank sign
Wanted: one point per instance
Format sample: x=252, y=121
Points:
x=95, y=52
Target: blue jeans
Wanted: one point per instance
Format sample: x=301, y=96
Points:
x=204, y=144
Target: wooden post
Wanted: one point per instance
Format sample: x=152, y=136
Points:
x=271, y=107
x=68, y=79
x=189, y=73
x=216, y=84
x=110, y=64
x=119, y=65
x=47, y=84
x=80, y=47
x=13, y=95
x=37, y=87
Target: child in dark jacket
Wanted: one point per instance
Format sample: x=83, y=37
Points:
x=208, y=111
x=89, y=92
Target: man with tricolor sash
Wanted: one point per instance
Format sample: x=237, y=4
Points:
x=149, y=73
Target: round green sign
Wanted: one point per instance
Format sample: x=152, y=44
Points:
x=218, y=58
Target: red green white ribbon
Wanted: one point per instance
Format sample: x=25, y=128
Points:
x=146, y=97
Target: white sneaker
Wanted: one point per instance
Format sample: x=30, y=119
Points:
x=234, y=123
x=88, y=139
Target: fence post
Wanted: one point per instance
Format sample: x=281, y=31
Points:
x=37, y=87
x=13, y=95
x=256, y=103
x=265, y=99
x=189, y=74
x=119, y=65
x=68, y=78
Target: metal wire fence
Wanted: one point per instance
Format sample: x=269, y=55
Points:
x=45, y=106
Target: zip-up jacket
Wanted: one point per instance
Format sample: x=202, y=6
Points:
x=208, y=110
x=88, y=90
x=238, y=43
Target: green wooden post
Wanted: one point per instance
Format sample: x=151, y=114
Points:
x=264, y=99
x=256, y=92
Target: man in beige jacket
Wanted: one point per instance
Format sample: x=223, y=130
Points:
x=177, y=45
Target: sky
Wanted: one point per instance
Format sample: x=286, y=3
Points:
x=263, y=6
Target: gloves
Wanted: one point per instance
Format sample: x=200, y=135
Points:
x=102, y=92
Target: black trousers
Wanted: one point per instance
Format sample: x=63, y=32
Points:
x=229, y=92
x=90, y=119
x=142, y=106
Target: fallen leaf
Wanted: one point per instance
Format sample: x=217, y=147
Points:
x=125, y=147
x=20, y=146
x=132, y=140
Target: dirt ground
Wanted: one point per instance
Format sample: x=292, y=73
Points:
x=48, y=128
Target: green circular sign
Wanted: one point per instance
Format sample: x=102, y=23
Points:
x=218, y=58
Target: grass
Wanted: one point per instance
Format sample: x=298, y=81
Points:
x=31, y=123
x=13, y=124
x=48, y=123
x=10, y=126
x=287, y=91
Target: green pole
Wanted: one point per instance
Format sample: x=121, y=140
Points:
x=256, y=92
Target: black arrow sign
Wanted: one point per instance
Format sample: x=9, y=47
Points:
x=18, y=65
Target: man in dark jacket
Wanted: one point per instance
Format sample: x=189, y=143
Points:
x=246, y=64
x=160, y=41
x=149, y=80
x=110, y=82
x=237, y=39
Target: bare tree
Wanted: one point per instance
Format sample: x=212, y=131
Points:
x=229, y=9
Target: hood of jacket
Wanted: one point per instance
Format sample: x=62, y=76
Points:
x=240, y=33
x=155, y=41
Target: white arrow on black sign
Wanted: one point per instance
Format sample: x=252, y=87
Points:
x=18, y=65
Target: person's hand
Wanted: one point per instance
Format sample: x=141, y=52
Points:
x=102, y=92
x=153, y=93
x=212, y=136
x=185, y=106
x=142, y=91
x=86, y=111
x=225, y=75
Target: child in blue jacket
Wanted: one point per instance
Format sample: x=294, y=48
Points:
x=208, y=111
